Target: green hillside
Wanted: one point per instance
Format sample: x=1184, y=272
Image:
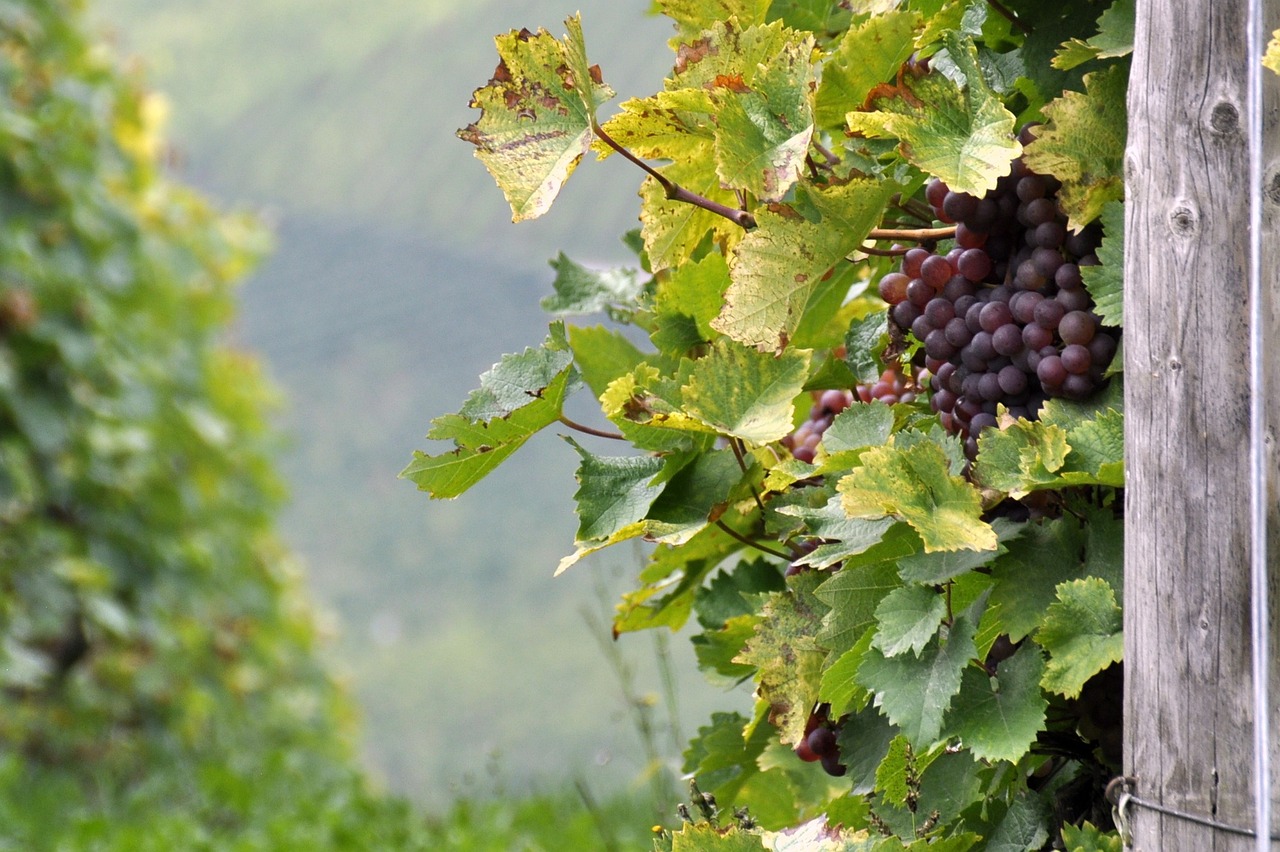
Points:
x=396, y=277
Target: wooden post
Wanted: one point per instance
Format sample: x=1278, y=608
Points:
x=1188, y=682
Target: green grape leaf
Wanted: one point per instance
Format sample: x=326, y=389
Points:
x=1083, y=142
x=520, y=379
x=745, y=393
x=717, y=648
x=693, y=497
x=858, y=426
x=536, y=116
x=998, y=718
x=520, y=396
x=1271, y=59
x=734, y=593
x=1089, y=838
x=853, y=595
x=693, y=292
x=603, y=355
x=839, y=687
x=962, y=136
x=867, y=55
x=763, y=128
x=1114, y=38
x=944, y=565
x=821, y=17
x=1082, y=632
x=779, y=264
x=864, y=741
x=916, y=485
x=865, y=344
x=694, y=16
x=1097, y=449
x=916, y=692
x=846, y=537
x=1105, y=282
x=786, y=653
x=1027, y=576
x=579, y=290
x=1025, y=825
x=721, y=758
x=892, y=776
x=909, y=617
x=613, y=493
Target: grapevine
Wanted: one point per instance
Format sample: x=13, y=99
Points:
x=876, y=428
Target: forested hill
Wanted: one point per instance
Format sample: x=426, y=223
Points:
x=396, y=277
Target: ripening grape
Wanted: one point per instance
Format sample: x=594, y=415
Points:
x=1003, y=317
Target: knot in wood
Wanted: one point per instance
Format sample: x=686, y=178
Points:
x=1224, y=119
x=1272, y=189
x=1184, y=221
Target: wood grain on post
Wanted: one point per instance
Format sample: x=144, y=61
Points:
x=1188, y=690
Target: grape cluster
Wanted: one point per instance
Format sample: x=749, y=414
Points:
x=1003, y=316
x=820, y=742
x=891, y=387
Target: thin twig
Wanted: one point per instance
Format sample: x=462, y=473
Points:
x=589, y=431
x=918, y=235
x=1008, y=13
x=830, y=157
x=674, y=191
x=749, y=543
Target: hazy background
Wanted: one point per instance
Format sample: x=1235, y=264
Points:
x=397, y=278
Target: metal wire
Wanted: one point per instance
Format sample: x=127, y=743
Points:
x=1257, y=444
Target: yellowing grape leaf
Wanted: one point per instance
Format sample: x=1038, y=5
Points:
x=763, y=128
x=1083, y=142
x=646, y=407
x=963, y=136
x=537, y=115
x=787, y=656
x=745, y=393
x=1271, y=59
x=915, y=484
x=868, y=54
x=1021, y=457
x=778, y=265
x=693, y=16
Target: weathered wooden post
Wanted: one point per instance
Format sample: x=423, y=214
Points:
x=1189, y=693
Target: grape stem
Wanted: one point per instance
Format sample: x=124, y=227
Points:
x=914, y=208
x=739, y=453
x=673, y=190
x=879, y=252
x=587, y=430
x=1008, y=13
x=734, y=534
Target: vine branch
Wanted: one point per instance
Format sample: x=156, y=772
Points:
x=764, y=548
x=674, y=191
x=917, y=235
x=587, y=430
x=1008, y=13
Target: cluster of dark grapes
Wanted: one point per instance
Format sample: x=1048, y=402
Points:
x=1003, y=316
x=891, y=387
x=820, y=742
